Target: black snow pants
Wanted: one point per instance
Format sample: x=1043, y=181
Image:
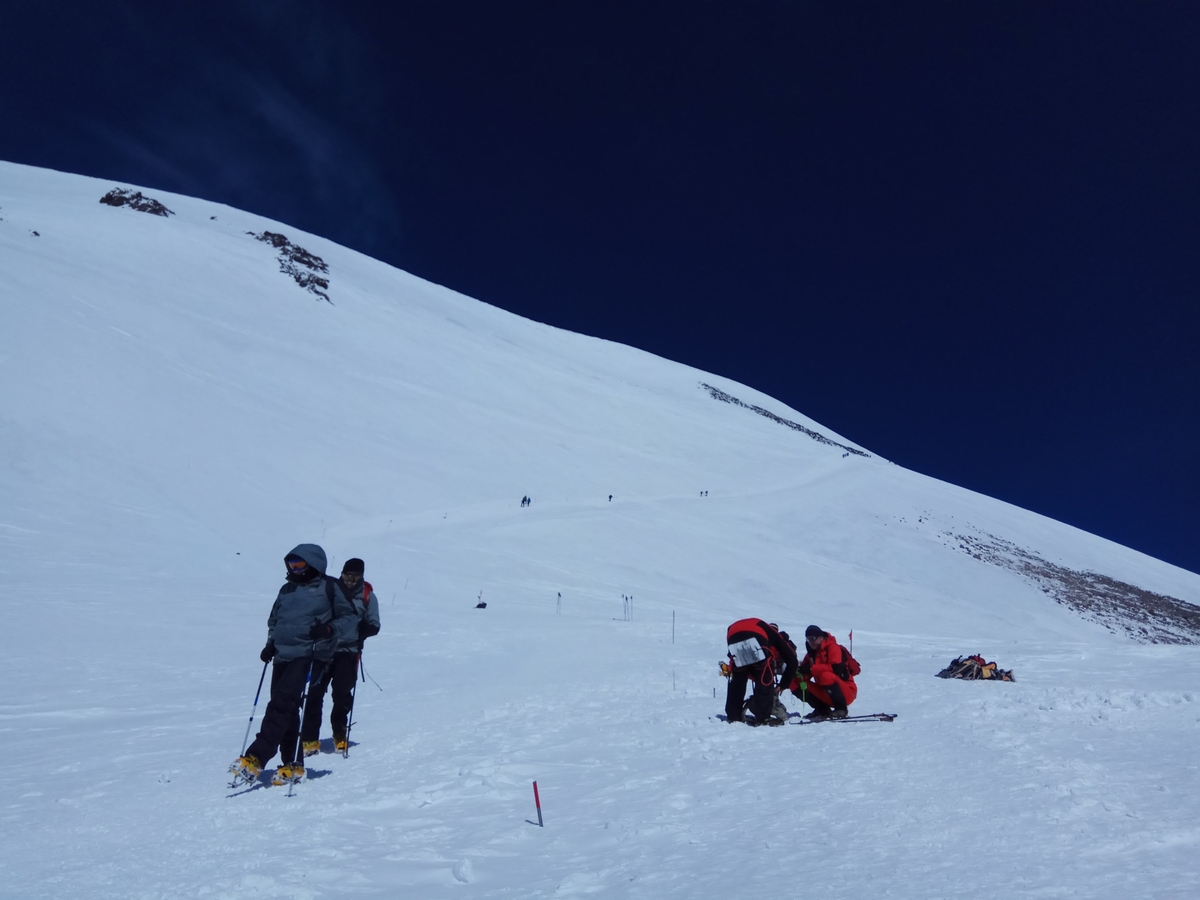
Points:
x=762, y=701
x=280, y=728
x=341, y=674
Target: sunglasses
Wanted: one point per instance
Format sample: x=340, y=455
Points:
x=351, y=576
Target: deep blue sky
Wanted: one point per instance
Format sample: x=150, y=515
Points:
x=964, y=235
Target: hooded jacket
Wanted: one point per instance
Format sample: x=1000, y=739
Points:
x=301, y=605
x=820, y=666
x=366, y=613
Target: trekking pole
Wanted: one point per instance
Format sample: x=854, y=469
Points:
x=367, y=676
x=296, y=757
x=254, y=708
x=353, y=693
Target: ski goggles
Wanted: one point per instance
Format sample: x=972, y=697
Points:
x=296, y=565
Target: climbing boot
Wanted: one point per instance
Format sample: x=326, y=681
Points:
x=292, y=774
x=245, y=769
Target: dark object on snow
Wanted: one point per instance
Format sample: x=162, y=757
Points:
x=292, y=257
x=975, y=668
x=481, y=605
x=869, y=717
x=135, y=200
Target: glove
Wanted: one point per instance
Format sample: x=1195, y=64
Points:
x=366, y=630
x=320, y=631
x=268, y=652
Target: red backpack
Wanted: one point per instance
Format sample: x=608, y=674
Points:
x=848, y=667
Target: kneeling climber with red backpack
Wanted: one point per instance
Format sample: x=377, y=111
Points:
x=826, y=679
x=758, y=650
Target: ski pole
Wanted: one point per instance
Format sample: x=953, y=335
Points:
x=296, y=757
x=350, y=716
x=254, y=708
x=366, y=675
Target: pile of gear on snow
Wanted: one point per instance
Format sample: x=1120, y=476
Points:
x=975, y=668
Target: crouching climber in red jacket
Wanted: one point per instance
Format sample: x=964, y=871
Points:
x=826, y=680
x=758, y=651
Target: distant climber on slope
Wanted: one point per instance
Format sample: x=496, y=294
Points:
x=300, y=639
x=826, y=679
x=758, y=651
x=342, y=671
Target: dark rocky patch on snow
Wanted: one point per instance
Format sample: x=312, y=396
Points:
x=135, y=200
x=1122, y=608
x=718, y=394
x=299, y=263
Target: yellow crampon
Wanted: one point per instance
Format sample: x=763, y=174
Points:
x=292, y=774
x=245, y=769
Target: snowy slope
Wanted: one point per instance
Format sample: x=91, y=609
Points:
x=177, y=412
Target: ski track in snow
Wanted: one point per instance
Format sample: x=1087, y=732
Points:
x=176, y=414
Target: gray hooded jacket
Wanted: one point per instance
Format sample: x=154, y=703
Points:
x=366, y=611
x=299, y=607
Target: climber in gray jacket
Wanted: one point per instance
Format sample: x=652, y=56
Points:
x=343, y=670
x=301, y=638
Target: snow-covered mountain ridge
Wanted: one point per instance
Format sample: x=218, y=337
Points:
x=180, y=408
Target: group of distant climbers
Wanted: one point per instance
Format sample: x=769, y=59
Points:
x=766, y=657
x=315, y=634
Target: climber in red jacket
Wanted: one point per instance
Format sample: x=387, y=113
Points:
x=758, y=650
x=826, y=679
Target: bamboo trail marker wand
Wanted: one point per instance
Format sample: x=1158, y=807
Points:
x=538, y=802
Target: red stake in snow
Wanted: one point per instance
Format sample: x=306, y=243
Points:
x=538, y=801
